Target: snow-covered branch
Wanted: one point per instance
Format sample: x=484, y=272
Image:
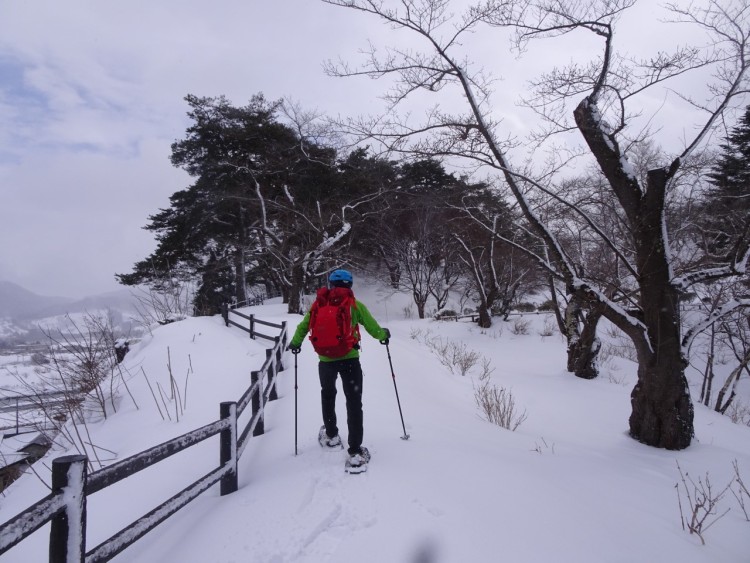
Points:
x=738, y=267
x=715, y=315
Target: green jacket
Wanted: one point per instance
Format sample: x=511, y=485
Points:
x=360, y=315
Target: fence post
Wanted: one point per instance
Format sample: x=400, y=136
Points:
x=273, y=369
x=67, y=536
x=228, y=447
x=225, y=313
x=257, y=402
x=282, y=347
x=252, y=326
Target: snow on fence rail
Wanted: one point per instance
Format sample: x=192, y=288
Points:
x=250, y=326
x=17, y=404
x=65, y=506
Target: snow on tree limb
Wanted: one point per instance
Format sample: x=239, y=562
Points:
x=717, y=314
x=738, y=267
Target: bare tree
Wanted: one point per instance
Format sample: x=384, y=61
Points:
x=418, y=257
x=604, y=91
x=726, y=342
x=496, y=269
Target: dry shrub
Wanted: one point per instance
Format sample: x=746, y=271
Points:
x=498, y=405
x=701, y=510
x=520, y=326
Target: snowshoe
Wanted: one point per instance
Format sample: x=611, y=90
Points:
x=357, y=462
x=329, y=443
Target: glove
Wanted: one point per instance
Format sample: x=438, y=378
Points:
x=295, y=349
x=387, y=338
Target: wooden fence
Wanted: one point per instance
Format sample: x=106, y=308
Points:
x=250, y=324
x=16, y=404
x=65, y=506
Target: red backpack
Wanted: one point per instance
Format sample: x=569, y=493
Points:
x=331, y=330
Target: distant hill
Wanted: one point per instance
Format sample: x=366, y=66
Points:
x=120, y=300
x=21, y=304
x=24, y=315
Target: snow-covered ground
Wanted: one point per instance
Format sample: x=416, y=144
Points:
x=567, y=485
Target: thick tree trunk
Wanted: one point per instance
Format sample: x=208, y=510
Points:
x=485, y=318
x=662, y=413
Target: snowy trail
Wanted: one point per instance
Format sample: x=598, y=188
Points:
x=569, y=485
x=458, y=489
x=319, y=512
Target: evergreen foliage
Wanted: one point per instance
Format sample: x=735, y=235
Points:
x=727, y=208
x=270, y=205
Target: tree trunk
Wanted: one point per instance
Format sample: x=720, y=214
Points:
x=583, y=345
x=485, y=318
x=295, y=291
x=394, y=268
x=662, y=413
x=240, y=287
x=731, y=383
x=584, y=357
x=420, y=303
x=708, y=374
x=556, y=306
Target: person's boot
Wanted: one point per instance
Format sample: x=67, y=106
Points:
x=328, y=442
x=357, y=462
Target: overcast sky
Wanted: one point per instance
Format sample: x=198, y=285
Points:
x=92, y=95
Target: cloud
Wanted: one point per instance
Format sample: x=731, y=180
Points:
x=91, y=97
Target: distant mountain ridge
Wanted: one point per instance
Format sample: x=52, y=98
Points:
x=20, y=304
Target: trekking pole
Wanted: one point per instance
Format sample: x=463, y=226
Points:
x=393, y=375
x=295, y=404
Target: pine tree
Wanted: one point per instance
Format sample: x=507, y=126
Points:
x=210, y=229
x=727, y=208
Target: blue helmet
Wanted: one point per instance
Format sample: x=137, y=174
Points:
x=341, y=278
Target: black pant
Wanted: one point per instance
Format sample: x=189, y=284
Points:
x=351, y=381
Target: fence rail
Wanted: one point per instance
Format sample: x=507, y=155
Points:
x=65, y=507
x=229, y=314
x=20, y=403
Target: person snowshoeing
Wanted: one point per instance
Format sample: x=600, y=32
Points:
x=333, y=323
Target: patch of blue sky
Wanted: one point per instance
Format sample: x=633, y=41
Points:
x=26, y=111
x=17, y=93
x=22, y=109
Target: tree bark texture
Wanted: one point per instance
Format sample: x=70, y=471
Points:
x=295, y=291
x=240, y=287
x=485, y=317
x=583, y=345
x=662, y=412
